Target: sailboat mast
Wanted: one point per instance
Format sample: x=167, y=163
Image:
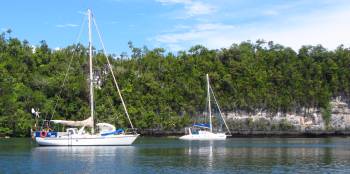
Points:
x=209, y=107
x=114, y=79
x=91, y=74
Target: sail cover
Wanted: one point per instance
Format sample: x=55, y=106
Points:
x=202, y=125
x=88, y=122
x=105, y=127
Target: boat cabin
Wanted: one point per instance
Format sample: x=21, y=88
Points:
x=72, y=131
x=197, y=128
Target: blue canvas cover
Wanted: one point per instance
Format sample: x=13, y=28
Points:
x=202, y=125
x=118, y=131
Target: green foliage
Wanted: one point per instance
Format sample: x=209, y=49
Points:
x=5, y=131
x=163, y=90
x=284, y=125
x=326, y=115
x=262, y=124
x=250, y=122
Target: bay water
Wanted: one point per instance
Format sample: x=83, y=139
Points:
x=170, y=155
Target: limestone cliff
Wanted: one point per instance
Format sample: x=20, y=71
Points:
x=312, y=120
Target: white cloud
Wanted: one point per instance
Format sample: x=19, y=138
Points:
x=328, y=27
x=191, y=7
x=199, y=8
x=175, y=47
x=167, y=2
x=66, y=25
x=209, y=34
x=271, y=12
x=181, y=27
x=213, y=27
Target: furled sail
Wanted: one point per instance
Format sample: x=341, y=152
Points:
x=87, y=123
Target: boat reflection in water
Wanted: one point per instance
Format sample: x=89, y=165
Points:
x=205, y=154
x=205, y=151
x=83, y=159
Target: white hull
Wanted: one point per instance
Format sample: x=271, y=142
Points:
x=92, y=140
x=204, y=135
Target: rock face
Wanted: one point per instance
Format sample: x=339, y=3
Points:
x=307, y=121
x=340, y=119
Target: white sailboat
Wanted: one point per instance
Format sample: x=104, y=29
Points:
x=204, y=131
x=107, y=133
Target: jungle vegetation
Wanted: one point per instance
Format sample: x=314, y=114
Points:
x=165, y=90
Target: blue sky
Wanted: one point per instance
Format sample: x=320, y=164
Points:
x=179, y=24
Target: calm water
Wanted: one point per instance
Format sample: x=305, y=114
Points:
x=169, y=155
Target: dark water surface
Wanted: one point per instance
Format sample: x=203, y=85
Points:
x=170, y=155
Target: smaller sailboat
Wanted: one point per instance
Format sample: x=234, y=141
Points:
x=204, y=131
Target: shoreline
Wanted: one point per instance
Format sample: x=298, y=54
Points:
x=257, y=134
x=243, y=134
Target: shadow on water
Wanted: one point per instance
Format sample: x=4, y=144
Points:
x=327, y=158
